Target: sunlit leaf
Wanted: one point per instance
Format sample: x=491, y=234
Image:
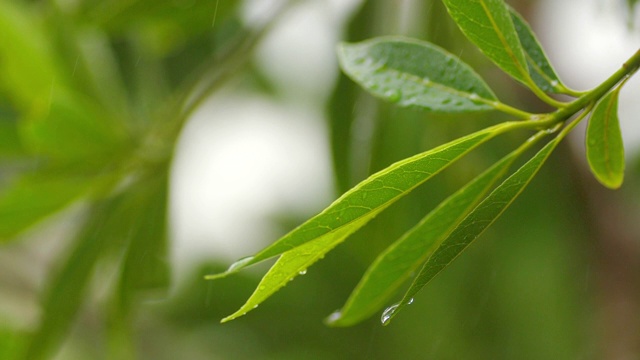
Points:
x=540, y=68
x=605, y=150
x=488, y=24
x=313, y=239
x=403, y=257
x=415, y=73
x=360, y=204
x=291, y=264
x=483, y=216
x=29, y=71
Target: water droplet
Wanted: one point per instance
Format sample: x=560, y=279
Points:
x=474, y=96
x=255, y=306
x=410, y=301
x=335, y=316
x=240, y=264
x=388, y=313
x=302, y=272
x=554, y=83
x=393, y=95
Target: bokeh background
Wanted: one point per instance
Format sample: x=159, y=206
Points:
x=145, y=143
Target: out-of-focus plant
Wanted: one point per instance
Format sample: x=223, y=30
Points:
x=93, y=96
x=418, y=74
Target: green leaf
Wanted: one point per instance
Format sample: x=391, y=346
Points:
x=605, y=150
x=483, y=216
x=488, y=24
x=36, y=196
x=135, y=218
x=28, y=70
x=360, y=204
x=73, y=129
x=403, y=257
x=416, y=73
x=146, y=267
x=65, y=291
x=539, y=66
x=312, y=240
x=291, y=264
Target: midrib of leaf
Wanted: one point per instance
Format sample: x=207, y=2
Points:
x=538, y=69
x=607, y=154
x=441, y=87
x=521, y=67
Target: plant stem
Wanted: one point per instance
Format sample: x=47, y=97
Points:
x=510, y=110
x=627, y=70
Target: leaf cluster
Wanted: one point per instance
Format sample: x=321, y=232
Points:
x=418, y=74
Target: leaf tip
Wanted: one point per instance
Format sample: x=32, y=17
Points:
x=334, y=319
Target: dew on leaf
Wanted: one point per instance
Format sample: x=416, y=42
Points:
x=335, y=316
x=302, y=272
x=240, y=263
x=388, y=313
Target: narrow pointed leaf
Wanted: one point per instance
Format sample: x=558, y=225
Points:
x=395, y=265
x=488, y=24
x=291, y=264
x=360, y=204
x=66, y=288
x=605, y=150
x=415, y=73
x=483, y=216
x=539, y=66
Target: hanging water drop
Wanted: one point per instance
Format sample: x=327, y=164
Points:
x=335, y=316
x=410, y=301
x=302, y=272
x=388, y=313
x=239, y=264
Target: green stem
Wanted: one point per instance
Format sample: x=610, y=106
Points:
x=510, y=110
x=627, y=69
x=543, y=96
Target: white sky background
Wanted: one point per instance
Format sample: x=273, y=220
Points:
x=243, y=157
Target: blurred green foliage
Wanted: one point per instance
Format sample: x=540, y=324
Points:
x=93, y=95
